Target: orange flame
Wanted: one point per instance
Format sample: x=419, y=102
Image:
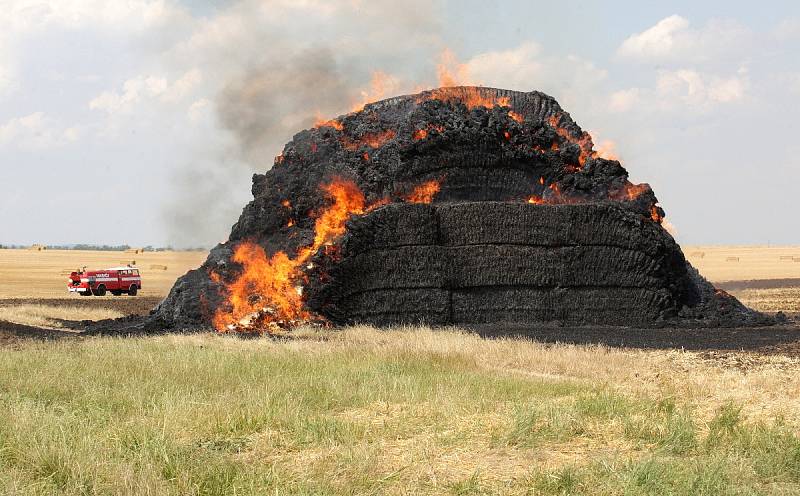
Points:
x=273, y=283
x=424, y=192
x=631, y=192
x=555, y=197
x=469, y=95
x=380, y=86
x=347, y=201
x=584, y=142
x=452, y=75
x=421, y=134
x=334, y=123
x=373, y=140
x=607, y=149
x=450, y=71
x=270, y=279
x=655, y=215
x=517, y=117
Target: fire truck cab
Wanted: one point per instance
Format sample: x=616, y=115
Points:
x=117, y=280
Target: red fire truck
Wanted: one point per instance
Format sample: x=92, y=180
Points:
x=116, y=280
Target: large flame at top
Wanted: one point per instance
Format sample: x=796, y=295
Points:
x=470, y=96
x=454, y=85
x=450, y=71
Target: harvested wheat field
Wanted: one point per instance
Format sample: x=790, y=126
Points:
x=766, y=278
x=43, y=274
x=745, y=263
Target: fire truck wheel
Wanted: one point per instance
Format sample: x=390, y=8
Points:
x=100, y=291
x=86, y=293
x=133, y=290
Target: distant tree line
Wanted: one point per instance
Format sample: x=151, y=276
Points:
x=82, y=246
x=89, y=247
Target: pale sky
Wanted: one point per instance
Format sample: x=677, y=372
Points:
x=141, y=122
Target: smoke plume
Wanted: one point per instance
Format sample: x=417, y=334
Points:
x=284, y=68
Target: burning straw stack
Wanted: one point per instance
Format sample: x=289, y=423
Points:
x=458, y=205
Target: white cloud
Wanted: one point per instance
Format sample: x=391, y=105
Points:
x=673, y=39
x=199, y=110
x=183, y=86
x=658, y=41
x=6, y=76
x=727, y=90
x=23, y=20
x=788, y=29
x=794, y=85
x=141, y=89
x=36, y=130
x=31, y=15
x=526, y=68
x=624, y=100
x=515, y=68
x=696, y=89
x=685, y=90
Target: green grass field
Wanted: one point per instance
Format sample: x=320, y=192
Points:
x=408, y=411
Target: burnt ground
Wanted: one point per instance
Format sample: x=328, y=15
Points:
x=758, y=284
x=139, y=305
x=773, y=340
x=716, y=343
x=12, y=333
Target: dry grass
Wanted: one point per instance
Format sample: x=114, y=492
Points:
x=403, y=411
x=43, y=274
x=754, y=262
x=768, y=390
x=53, y=317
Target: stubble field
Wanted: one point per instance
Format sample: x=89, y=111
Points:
x=402, y=411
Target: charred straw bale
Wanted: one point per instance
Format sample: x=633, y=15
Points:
x=527, y=224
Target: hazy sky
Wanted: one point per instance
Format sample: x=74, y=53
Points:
x=141, y=121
